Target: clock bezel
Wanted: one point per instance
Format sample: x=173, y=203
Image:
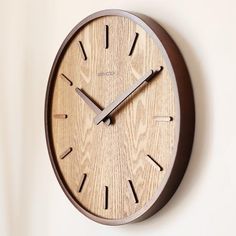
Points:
x=185, y=111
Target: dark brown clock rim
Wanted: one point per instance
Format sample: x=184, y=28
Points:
x=183, y=92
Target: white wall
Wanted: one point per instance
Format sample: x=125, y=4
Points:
x=31, y=201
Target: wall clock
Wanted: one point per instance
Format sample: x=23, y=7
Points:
x=119, y=117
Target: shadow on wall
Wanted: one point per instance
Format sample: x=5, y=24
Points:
x=200, y=146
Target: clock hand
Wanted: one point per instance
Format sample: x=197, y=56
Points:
x=92, y=105
x=104, y=113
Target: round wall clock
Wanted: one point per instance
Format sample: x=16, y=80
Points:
x=119, y=117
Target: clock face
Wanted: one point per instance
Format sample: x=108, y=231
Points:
x=113, y=118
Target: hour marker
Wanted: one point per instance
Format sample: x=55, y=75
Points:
x=133, y=44
x=82, y=50
x=65, y=78
x=60, y=116
x=163, y=118
x=106, y=198
x=66, y=152
x=106, y=36
x=155, y=162
x=133, y=190
x=82, y=183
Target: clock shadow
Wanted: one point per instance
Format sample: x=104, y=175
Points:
x=200, y=145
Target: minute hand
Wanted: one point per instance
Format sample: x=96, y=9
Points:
x=124, y=95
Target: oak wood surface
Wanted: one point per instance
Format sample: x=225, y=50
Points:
x=112, y=155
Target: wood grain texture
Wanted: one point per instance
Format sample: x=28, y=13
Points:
x=112, y=155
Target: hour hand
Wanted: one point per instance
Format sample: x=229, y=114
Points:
x=92, y=104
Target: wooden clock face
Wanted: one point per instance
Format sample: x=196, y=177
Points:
x=114, y=114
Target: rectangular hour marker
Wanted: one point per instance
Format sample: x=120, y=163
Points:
x=82, y=50
x=65, y=78
x=106, y=198
x=133, y=44
x=155, y=162
x=163, y=118
x=82, y=183
x=133, y=190
x=106, y=36
x=60, y=116
x=66, y=152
